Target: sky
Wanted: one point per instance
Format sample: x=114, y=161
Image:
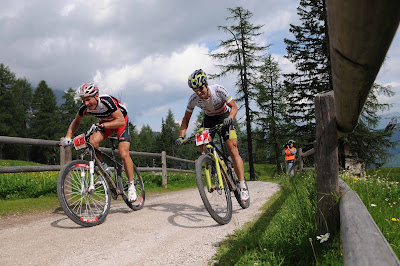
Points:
x=142, y=51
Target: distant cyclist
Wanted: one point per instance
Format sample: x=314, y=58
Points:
x=113, y=117
x=219, y=108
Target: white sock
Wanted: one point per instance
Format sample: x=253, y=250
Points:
x=131, y=183
x=242, y=184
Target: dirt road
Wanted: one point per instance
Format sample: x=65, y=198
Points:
x=172, y=229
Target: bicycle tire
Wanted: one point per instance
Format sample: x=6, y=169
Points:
x=123, y=184
x=217, y=202
x=82, y=207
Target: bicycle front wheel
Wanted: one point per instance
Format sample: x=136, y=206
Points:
x=84, y=207
x=216, y=200
x=123, y=184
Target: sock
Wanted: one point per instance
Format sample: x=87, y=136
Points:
x=242, y=184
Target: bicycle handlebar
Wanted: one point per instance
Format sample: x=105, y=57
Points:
x=216, y=128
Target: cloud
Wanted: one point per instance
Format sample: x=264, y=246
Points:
x=143, y=50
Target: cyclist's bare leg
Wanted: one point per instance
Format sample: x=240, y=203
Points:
x=126, y=158
x=231, y=145
x=95, y=140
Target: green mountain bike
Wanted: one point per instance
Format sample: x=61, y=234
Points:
x=215, y=176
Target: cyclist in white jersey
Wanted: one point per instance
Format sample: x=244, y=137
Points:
x=113, y=117
x=219, y=108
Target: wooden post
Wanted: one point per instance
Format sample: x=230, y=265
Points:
x=300, y=159
x=327, y=164
x=164, y=168
x=65, y=155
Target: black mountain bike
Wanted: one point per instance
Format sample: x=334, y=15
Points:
x=215, y=176
x=84, y=187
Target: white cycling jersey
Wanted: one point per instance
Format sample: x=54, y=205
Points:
x=215, y=105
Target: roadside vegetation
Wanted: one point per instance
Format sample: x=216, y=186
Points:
x=380, y=193
x=285, y=233
x=30, y=192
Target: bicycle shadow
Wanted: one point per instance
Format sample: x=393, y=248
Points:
x=185, y=215
x=59, y=223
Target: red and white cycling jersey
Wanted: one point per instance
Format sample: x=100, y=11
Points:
x=215, y=105
x=106, y=105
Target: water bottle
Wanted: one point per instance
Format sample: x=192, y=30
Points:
x=108, y=170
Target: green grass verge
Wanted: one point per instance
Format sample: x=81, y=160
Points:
x=380, y=193
x=281, y=235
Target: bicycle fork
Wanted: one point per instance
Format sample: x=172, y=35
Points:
x=91, y=182
x=218, y=168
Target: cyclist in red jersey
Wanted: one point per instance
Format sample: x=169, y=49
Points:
x=113, y=117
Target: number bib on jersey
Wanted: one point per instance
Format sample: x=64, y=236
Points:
x=80, y=142
x=203, y=138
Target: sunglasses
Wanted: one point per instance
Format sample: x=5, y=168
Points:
x=198, y=89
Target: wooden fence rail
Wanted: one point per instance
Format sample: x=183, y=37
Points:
x=363, y=242
x=65, y=156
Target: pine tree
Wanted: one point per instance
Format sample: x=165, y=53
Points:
x=368, y=144
x=45, y=122
x=244, y=55
x=275, y=125
x=310, y=54
x=147, y=143
x=7, y=80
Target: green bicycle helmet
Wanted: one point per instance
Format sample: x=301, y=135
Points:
x=197, y=79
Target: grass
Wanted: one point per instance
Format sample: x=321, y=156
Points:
x=281, y=235
x=380, y=193
x=37, y=191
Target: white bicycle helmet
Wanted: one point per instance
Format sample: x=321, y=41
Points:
x=87, y=89
x=197, y=79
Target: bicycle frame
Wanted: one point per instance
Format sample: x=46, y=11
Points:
x=216, y=154
x=94, y=159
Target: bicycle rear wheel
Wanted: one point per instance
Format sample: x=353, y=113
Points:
x=123, y=184
x=216, y=200
x=79, y=204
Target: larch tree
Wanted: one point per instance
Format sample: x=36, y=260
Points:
x=243, y=55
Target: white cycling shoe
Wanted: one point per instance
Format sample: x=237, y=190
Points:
x=132, y=193
x=244, y=194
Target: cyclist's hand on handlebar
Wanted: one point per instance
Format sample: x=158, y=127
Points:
x=95, y=128
x=228, y=121
x=66, y=142
x=179, y=141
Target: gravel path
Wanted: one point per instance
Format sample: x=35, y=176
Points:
x=172, y=229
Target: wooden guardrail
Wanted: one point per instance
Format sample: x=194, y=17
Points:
x=363, y=242
x=65, y=156
x=357, y=47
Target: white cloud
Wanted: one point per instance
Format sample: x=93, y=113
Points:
x=66, y=10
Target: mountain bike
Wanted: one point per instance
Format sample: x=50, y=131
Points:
x=215, y=176
x=84, y=187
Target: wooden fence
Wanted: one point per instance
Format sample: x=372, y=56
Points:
x=65, y=157
x=360, y=33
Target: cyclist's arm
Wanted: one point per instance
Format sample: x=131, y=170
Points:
x=74, y=126
x=118, y=121
x=185, y=123
x=234, y=108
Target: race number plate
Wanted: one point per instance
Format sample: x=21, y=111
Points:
x=80, y=142
x=203, y=138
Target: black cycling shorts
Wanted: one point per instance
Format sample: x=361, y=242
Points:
x=227, y=133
